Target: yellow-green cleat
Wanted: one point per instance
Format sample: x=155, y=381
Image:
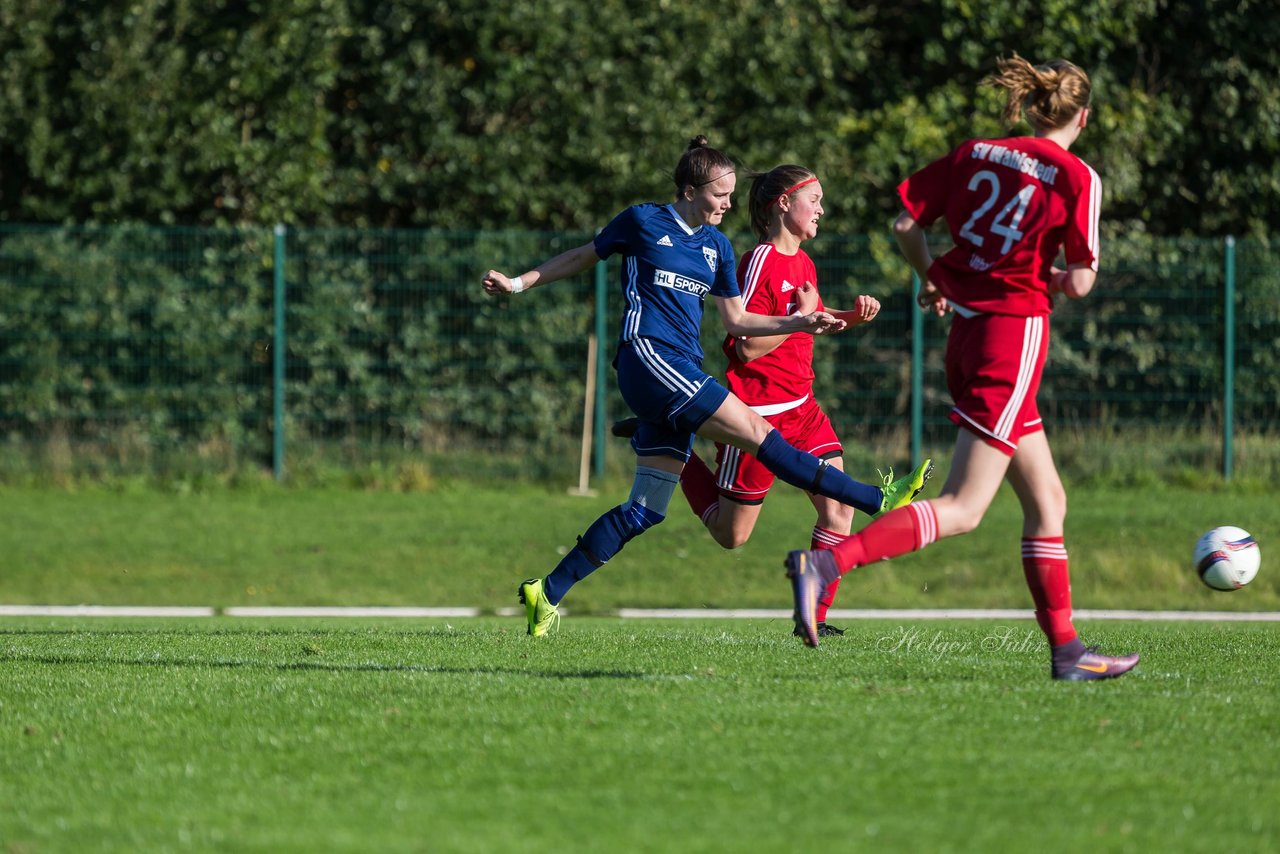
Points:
x=899, y=493
x=542, y=615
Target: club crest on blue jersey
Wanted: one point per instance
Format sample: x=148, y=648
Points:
x=710, y=255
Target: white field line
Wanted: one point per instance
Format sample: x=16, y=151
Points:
x=954, y=614
x=349, y=612
x=102, y=611
x=627, y=613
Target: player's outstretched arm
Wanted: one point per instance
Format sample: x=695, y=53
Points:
x=865, y=308
x=564, y=265
x=806, y=302
x=739, y=322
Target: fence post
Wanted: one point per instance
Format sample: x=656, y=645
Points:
x=277, y=360
x=601, y=362
x=1229, y=359
x=917, y=373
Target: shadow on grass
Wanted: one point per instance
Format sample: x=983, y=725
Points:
x=316, y=666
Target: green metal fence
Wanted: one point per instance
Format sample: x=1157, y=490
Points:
x=136, y=349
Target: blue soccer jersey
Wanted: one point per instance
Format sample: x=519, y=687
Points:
x=668, y=269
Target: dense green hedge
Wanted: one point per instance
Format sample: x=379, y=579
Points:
x=134, y=338
x=145, y=343
x=538, y=115
x=132, y=343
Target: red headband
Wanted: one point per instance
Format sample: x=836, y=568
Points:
x=792, y=189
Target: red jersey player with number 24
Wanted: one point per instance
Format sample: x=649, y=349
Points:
x=1011, y=205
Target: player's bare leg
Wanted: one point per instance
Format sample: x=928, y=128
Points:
x=1034, y=478
x=977, y=470
x=735, y=423
x=731, y=522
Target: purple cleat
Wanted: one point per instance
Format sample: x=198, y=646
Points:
x=810, y=573
x=1091, y=665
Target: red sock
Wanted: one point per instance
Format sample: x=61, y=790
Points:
x=906, y=529
x=699, y=486
x=1044, y=563
x=824, y=539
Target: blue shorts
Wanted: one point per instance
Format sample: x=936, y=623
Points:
x=670, y=394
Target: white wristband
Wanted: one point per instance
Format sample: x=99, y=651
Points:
x=517, y=285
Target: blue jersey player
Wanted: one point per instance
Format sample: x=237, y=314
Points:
x=672, y=257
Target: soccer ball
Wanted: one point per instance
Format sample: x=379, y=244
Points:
x=1227, y=558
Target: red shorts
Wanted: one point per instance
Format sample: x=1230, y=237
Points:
x=743, y=478
x=994, y=363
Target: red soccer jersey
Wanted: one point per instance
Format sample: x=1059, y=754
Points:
x=769, y=281
x=1010, y=204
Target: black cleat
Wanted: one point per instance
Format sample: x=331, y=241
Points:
x=825, y=630
x=625, y=428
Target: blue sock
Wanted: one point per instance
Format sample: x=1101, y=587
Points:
x=802, y=470
x=604, y=539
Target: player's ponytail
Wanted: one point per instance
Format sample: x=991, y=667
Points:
x=1050, y=94
x=701, y=164
x=767, y=188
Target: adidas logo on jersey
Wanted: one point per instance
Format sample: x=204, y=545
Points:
x=787, y=286
x=664, y=240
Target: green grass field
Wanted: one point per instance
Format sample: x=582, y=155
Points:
x=620, y=735
x=456, y=545
x=425, y=735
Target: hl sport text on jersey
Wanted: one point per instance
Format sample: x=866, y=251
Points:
x=677, y=282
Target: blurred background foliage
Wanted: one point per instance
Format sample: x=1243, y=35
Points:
x=127, y=348
x=147, y=147
x=546, y=114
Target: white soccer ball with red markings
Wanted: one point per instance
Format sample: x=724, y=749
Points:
x=1227, y=558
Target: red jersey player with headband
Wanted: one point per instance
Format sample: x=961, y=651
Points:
x=774, y=375
x=1011, y=205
